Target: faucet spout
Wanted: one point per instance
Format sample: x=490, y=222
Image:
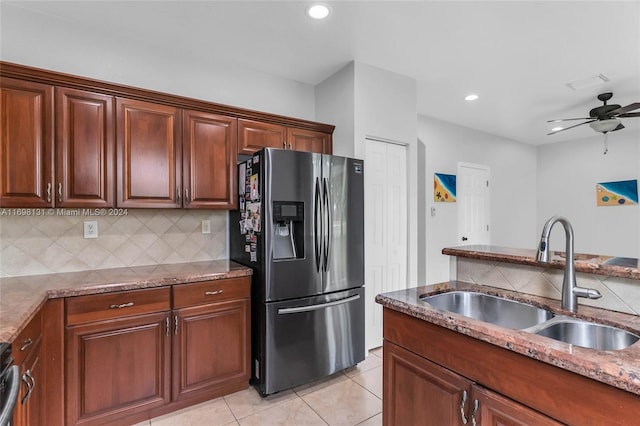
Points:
x=570, y=289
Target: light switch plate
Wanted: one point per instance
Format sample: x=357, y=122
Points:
x=206, y=227
x=90, y=229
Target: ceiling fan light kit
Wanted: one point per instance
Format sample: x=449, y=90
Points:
x=602, y=119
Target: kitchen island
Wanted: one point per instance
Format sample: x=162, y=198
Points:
x=516, y=376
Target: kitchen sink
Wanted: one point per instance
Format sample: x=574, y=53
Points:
x=492, y=309
x=587, y=334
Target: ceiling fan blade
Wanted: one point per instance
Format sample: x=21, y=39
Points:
x=620, y=127
x=625, y=109
x=630, y=114
x=571, y=127
x=568, y=119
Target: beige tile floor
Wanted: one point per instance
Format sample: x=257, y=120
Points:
x=348, y=398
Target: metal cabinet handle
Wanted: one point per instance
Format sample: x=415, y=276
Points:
x=60, y=192
x=462, y=405
x=178, y=196
x=289, y=145
x=475, y=411
x=175, y=325
x=166, y=326
x=284, y=144
x=124, y=305
x=27, y=342
x=187, y=199
x=48, y=192
x=28, y=379
x=212, y=293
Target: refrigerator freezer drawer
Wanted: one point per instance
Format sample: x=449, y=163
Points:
x=310, y=338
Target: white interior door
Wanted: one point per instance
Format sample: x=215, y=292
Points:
x=473, y=198
x=386, y=213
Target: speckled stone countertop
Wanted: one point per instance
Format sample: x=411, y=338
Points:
x=622, y=267
x=21, y=297
x=616, y=368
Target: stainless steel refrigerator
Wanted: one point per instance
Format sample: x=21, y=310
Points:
x=300, y=227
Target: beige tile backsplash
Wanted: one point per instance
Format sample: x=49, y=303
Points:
x=618, y=294
x=31, y=245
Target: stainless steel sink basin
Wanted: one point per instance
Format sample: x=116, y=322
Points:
x=587, y=334
x=484, y=307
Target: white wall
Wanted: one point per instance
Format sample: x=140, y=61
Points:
x=41, y=41
x=513, y=185
x=567, y=177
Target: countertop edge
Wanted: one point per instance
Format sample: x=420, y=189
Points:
x=620, y=267
x=614, y=368
x=34, y=300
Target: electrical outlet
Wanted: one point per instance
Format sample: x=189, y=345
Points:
x=206, y=227
x=90, y=229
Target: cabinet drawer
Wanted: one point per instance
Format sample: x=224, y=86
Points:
x=211, y=291
x=27, y=339
x=83, y=309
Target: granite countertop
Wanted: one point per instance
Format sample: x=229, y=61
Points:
x=622, y=267
x=616, y=368
x=21, y=297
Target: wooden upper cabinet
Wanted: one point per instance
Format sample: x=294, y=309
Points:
x=309, y=140
x=209, y=151
x=255, y=135
x=26, y=132
x=149, y=154
x=85, y=149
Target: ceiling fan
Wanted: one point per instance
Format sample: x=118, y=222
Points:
x=603, y=119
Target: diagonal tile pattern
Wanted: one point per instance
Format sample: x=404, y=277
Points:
x=32, y=245
x=351, y=397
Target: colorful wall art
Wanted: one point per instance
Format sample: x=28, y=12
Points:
x=620, y=193
x=444, y=188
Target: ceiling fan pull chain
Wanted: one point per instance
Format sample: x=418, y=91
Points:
x=606, y=144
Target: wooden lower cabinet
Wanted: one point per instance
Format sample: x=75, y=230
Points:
x=420, y=392
x=134, y=355
x=117, y=367
x=27, y=350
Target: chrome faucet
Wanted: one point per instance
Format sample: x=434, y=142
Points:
x=570, y=290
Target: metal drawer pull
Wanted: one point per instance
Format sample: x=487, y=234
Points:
x=59, y=192
x=178, y=196
x=48, y=192
x=124, y=305
x=27, y=342
x=475, y=411
x=175, y=323
x=212, y=293
x=28, y=379
x=462, y=404
x=166, y=326
x=187, y=199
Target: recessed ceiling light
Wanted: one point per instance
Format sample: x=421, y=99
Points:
x=557, y=129
x=318, y=11
x=471, y=98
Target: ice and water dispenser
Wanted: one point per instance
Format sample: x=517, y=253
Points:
x=288, y=230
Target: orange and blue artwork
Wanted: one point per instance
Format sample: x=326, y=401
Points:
x=620, y=193
x=444, y=188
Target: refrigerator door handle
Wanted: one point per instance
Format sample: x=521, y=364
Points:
x=328, y=222
x=298, y=309
x=317, y=225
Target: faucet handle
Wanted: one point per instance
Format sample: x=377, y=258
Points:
x=589, y=293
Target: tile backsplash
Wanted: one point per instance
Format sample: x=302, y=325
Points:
x=618, y=294
x=31, y=245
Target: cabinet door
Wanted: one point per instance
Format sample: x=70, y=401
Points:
x=149, y=154
x=309, y=140
x=85, y=149
x=497, y=410
x=209, y=150
x=211, y=349
x=255, y=135
x=28, y=411
x=418, y=392
x=117, y=367
x=26, y=143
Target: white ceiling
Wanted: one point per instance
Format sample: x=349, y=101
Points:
x=517, y=55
